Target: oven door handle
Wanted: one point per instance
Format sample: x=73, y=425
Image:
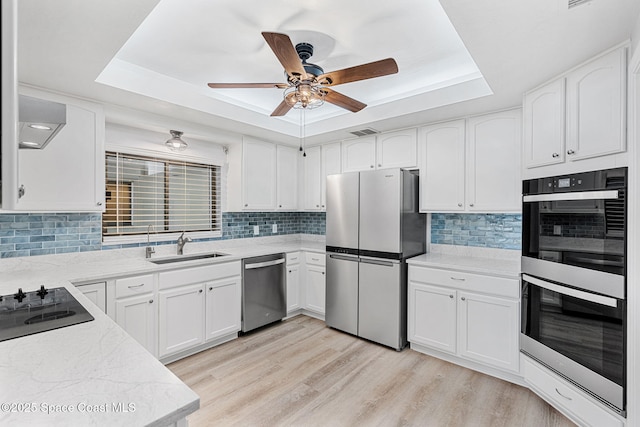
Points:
x=576, y=293
x=583, y=195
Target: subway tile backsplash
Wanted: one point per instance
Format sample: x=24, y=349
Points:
x=53, y=233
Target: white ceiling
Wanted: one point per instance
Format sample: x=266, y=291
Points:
x=158, y=55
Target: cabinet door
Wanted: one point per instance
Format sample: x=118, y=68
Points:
x=488, y=330
x=138, y=316
x=287, y=178
x=596, y=107
x=544, y=125
x=397, y=149
x=223, y=307
x=493, y=180
x=331, y=164
x=293, y=287
x=68, y=175
x=312, y=179
x=181, y=318
x=359, y=154
x=315, y=288
x=442, y=167
x=432, y=316
x=97, y=293
x=258, y=174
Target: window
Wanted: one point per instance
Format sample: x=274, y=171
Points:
x=169, y=195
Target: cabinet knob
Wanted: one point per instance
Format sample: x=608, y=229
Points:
x=459, y=205
x=379, y=165
x=463, y=298
x=210, y=288
x=279, y=206
x=200, y=291
x=323, y=272
x=471, y=204
x=246, y=205
x=289, y=271
x=571, y=152
x=554, y=155
x=150, y=301
x=21, y=191
x=99, y=203
x=317, y=206
x=371, y=166
x=451, y=296
x=323, y=206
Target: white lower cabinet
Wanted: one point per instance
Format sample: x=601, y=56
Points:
x=567, y=398
x=136, y=310
x=181, y=318
x=293, y=282
x=314, y=282
x=197, y=305
x=473, y=317
x=97, y=293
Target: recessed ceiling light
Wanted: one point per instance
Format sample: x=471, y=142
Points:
x=29, y=144
x=39, y=127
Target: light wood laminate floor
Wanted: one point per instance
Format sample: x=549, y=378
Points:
x=302, y=373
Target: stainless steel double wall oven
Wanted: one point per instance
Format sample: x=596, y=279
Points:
x=574, y=279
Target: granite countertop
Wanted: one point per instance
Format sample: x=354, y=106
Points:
x=496, y=262
x=94, y=373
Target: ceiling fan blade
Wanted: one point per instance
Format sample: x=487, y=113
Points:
x=247, y=85
x=283, y=48
x=380, y=68
x=343, y=101
x=281, y=109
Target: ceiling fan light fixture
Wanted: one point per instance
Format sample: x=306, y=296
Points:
x=175, y=143
x=304, y=95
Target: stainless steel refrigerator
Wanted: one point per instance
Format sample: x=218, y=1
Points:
x=373, y=226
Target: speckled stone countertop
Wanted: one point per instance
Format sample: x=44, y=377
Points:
x=497, y=262
x=94, y=373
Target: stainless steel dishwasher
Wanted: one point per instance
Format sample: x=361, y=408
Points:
x=264, y=291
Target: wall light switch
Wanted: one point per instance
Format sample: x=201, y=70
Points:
x=274, y=228
x=256, y=230
x=557, y=230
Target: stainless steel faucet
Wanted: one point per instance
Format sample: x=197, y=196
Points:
x=150, y=249
x=182, y=241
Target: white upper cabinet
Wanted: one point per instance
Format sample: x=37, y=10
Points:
x=442, y=166
x=68, y=174
x=287, y=178
x=258, y=175
x=331, y=164
x=397, y=149
x=544, y=124
x=312, y=196
x=388, y=150
x=596, y=107
x=577, y=122
x=493, y=162
x=471, y=165
x=359, y=154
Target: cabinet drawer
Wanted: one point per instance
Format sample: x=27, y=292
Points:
x=134, y=285
x=293, y=258
x=315, y=258
x=567, y=397
x=188, y=276
x=466, y=281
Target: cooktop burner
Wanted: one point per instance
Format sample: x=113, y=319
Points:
x=39, y=311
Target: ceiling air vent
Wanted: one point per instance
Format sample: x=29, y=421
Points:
x=365, y=131
x=574, y=3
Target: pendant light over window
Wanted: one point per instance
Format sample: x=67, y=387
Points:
x=175, y=143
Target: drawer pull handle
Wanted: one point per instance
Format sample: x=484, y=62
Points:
x=135, y=286
x=566, y=397
x=458, y=279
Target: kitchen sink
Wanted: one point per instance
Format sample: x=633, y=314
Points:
x=182, y=258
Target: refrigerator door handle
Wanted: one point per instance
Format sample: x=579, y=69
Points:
x=379, y=261
x=345, y=257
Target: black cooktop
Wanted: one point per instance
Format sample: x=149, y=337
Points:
x=39, y=311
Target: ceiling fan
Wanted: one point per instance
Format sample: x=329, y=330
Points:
x=307, y=84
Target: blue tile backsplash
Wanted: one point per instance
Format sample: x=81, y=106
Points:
x=502, y=231
x=39, y=234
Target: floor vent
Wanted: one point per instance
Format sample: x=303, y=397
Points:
x=574, y=3
x=365, y=131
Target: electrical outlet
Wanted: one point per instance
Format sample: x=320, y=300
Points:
x=256, y=230
x=557, y=230
x=274, y=228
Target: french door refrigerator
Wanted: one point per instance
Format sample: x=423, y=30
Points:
x=373, y=226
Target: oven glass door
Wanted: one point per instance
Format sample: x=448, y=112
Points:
x=585, y=327
x=584, y=229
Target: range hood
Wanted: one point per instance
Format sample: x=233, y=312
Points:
x=40, y=121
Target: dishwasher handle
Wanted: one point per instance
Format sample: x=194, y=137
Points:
x=264, y=264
